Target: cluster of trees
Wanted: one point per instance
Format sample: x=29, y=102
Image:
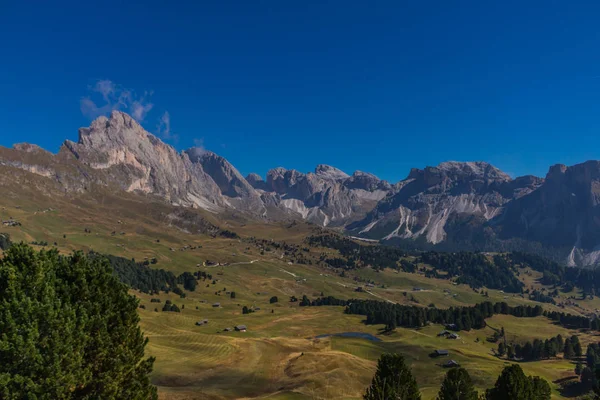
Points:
x=247, y=310
x=150, y=280
x=273, y=299
x=188, y=280
x=394, y=380
x=70, y=330
x=542, y=349
x=358, y=255
x=539, y=296
x=463, y=318
x=228, y=234
x=587, y=373
x=169, y=306
x=556, y=274
x=475, y=270
x=574, y=321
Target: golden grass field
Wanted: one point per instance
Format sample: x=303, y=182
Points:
x=279, y=357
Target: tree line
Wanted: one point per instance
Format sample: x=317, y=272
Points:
x=393, y=379
x=462, y=318
x=150, y=280
x=475, y=270
x=541, y=349
x=358, y=255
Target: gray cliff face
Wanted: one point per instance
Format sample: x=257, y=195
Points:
x=328, y=196
x=141, y=162
x=452, y=203
x=427, y=200
x=563, y=212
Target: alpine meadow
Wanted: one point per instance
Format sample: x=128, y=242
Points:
x=298, y=201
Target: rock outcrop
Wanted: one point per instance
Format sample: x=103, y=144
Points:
x=455, y=204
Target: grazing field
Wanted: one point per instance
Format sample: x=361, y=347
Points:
x=278, y=357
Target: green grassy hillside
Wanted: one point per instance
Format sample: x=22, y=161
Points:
x=278, y=357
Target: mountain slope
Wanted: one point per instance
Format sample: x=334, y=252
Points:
x=455, y=205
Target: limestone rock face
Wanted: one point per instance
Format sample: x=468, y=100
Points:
x=454, y=204
x=428, y=199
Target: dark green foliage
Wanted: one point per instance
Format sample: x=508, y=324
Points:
x=273, y=299
x=513, y=384
x=188, y=280
x=464, y=318
x=228, y=234
x=149, y=280
x=538, y=349
x=5, y=242
x=457, y=386
x=393, y=380
x=169, y=307
x=305, y=301
x=568, y=351
x=138, y=276
x=540, y=388
x=69, y=330
x=232, y=295
x=572, y=321
x=576, y=346
x=358, y=255
x=592, y=356
x=246, y=310
x=537, y=295
x=476, y=270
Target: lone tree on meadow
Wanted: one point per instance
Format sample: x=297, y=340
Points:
x=457, y=386
x=69, y=330
x=393, y=380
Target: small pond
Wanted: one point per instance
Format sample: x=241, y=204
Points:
x=360, y=335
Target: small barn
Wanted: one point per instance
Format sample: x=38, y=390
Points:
x=216, y=305
x=241, y=328
x=444, y=333
x=441, y=353
x=228, y=329
x=453, y=336
x=451, y=364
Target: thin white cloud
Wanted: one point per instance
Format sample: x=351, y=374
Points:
x=164, y=127
x=106, y=96
x=199, y=146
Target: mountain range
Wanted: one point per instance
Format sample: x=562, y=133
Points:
x=452, y=206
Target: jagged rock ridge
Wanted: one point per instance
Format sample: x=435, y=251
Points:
x=454, y=202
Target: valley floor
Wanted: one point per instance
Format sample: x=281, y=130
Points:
x=278, y=357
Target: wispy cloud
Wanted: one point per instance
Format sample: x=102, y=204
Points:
x=164, y=127
x=199, y=146
x=106, y=96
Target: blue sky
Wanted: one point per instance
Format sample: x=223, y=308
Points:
x=378, y=86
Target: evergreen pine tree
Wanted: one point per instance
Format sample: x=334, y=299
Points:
x=511, y=384
x=69, y=330
x=540, y=389
x=569, y=352
x=393, y=380
x=457, y=386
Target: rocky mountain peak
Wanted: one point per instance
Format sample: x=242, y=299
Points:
x=328, y=172
x=223, y=173
x=478, y=169
x=256, y=181
x=29, y=148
